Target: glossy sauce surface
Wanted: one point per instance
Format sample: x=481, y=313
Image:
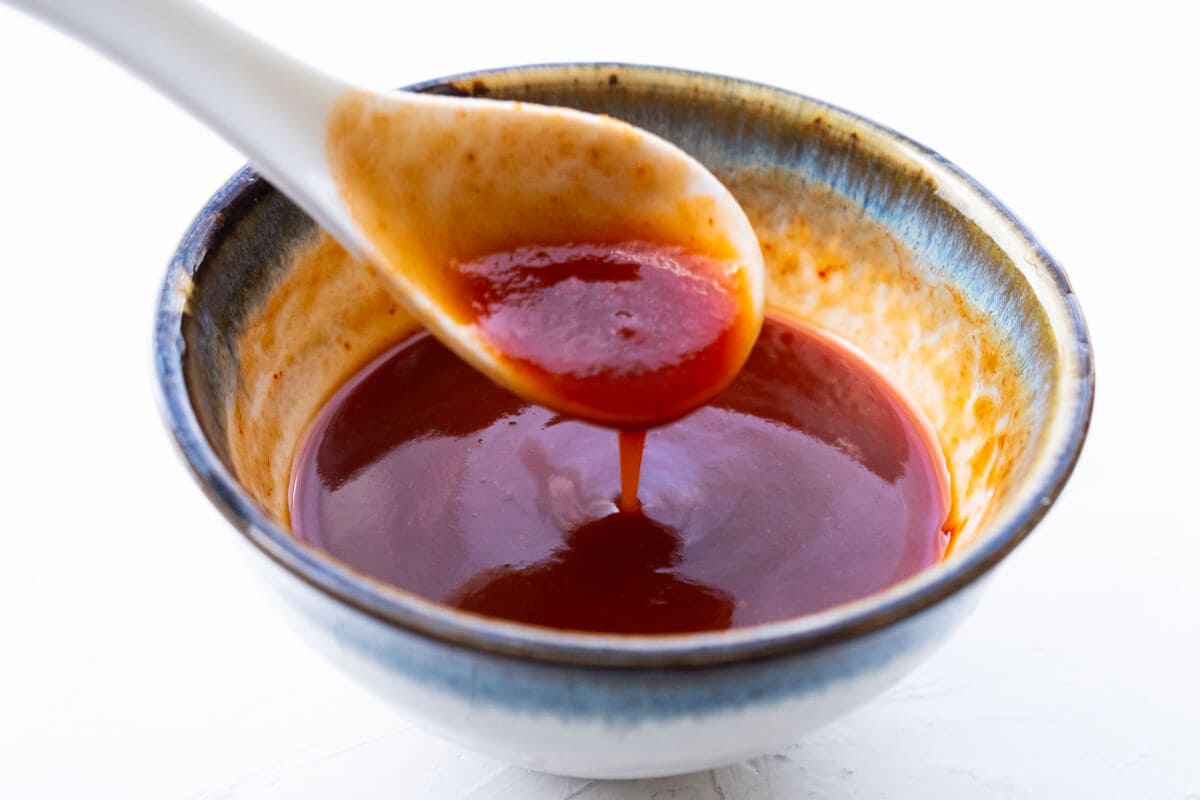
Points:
x=808, y=482
x=633, y=332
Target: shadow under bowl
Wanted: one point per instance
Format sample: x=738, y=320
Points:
x=864, y=232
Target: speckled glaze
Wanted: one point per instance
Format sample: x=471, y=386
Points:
x=864, y=232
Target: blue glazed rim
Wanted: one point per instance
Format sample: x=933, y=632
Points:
x=422, y=617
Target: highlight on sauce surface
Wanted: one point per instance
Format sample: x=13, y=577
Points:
x=806, y=483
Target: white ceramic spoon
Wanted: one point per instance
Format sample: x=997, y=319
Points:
x=412, y=183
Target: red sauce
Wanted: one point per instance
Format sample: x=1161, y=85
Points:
x=628, y=335
x=806, y=483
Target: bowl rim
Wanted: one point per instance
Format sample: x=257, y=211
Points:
x=411, y=613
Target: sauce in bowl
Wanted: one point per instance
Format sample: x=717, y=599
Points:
x=807, y=482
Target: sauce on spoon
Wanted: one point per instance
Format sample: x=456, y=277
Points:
x=586, y=272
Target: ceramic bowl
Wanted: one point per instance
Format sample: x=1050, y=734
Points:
x=864, y=232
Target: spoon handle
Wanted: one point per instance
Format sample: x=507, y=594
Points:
x=269, y=105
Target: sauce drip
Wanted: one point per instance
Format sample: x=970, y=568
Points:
x=630, y=443
x=806, y=483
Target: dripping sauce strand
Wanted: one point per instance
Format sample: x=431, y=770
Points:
x=631, y=443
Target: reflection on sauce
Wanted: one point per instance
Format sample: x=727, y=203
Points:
x=805, y=484
x=614, y=574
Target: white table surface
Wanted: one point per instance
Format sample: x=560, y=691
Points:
x=140, y=659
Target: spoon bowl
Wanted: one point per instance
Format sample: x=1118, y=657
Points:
x=475, y=177
x=415, y=186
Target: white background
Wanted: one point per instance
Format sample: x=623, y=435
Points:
x=139, y=658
